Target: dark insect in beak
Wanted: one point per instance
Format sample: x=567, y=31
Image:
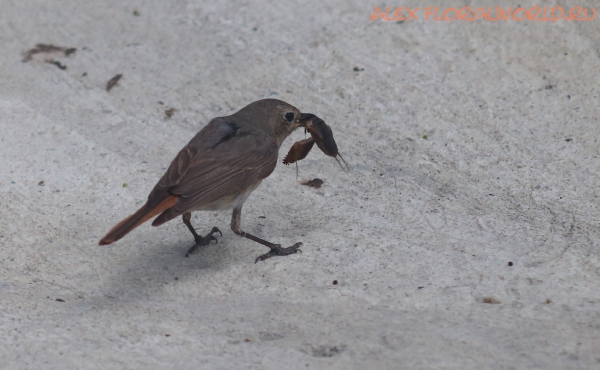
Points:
x=304, y=118
x=299, y=150
x=320, y=133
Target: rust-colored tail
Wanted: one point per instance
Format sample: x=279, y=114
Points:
x=142, y=215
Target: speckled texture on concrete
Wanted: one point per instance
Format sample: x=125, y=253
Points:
x=473, y=144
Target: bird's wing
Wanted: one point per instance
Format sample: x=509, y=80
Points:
x=221, y=160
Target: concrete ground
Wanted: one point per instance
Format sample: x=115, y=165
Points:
x=466, y=235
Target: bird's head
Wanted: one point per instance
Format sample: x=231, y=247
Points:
x=275, y=117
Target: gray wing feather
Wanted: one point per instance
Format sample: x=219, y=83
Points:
x=221, y=160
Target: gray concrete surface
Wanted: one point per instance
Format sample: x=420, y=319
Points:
x=419, y=235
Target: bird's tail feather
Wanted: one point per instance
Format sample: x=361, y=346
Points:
x=139, y=217
x=167, y=215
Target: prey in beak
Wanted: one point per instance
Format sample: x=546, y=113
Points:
x=303, y=119
x=321, y=134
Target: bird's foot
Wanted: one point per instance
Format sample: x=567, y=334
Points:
x=276, y=250
x=200, y=241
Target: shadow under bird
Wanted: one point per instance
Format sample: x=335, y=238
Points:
x=218, y=169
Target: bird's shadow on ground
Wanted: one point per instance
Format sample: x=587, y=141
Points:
x=150, y=266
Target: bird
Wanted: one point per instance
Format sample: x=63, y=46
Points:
x=218, y=170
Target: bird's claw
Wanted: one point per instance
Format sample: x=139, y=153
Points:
x=200, y=241
x=276, y=250
x=215, y=230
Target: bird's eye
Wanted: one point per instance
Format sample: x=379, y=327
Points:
x=289, y=117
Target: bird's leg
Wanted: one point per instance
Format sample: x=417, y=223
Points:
x=200, y=241
x=276, y=249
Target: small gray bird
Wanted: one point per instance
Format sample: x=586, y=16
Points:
x=218, y=169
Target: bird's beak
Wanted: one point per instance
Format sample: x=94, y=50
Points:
x=303, y=119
